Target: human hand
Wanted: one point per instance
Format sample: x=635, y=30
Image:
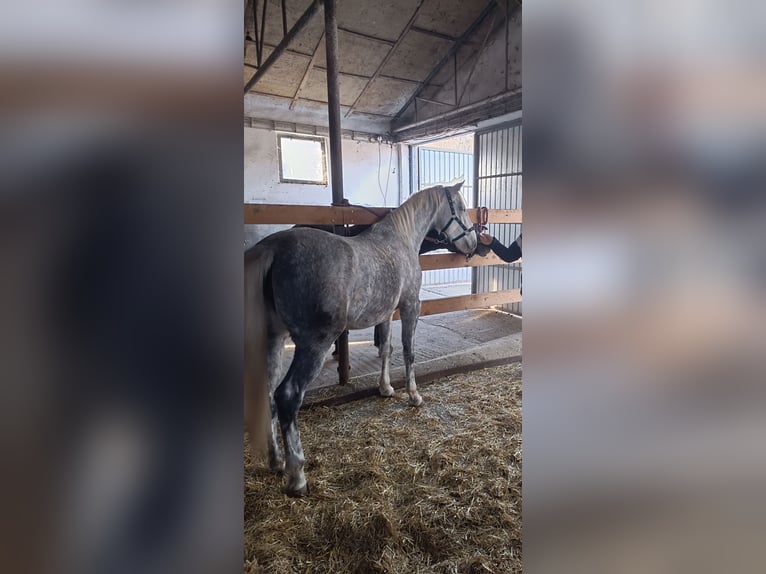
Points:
x=486, y=238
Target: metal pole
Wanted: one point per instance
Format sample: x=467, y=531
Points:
x=263, y=25
x=336, y=154
x=284, y=18
x=333, y=100
x=258, y=57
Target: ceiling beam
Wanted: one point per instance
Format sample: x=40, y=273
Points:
x=434, y=33
x=279, y=50
x=347, y=74
x=470, y=113
x=476, y=60
x=366, y=36
x=426, y=100
x=387, y=58
x=453, y=50
x=308, y=70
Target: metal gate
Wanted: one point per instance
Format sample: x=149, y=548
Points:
x=438, y=166
x=498, y=186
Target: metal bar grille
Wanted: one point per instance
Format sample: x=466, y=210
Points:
x=438, y=166
x=498, y=186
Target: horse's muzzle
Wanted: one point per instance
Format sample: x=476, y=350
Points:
x=471, y=253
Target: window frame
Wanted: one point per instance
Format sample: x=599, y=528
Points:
x=321, y=140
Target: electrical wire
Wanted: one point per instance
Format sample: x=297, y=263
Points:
x=383, y=194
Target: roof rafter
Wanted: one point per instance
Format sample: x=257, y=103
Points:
x=388, y=57
x=491, y=5
x=279, y=50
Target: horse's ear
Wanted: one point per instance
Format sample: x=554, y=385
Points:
x=455, y=184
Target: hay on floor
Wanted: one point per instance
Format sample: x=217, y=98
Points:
x=396, y=489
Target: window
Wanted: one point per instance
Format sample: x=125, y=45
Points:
x=302, y=159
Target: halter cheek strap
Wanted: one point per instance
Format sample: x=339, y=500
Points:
x=466, y=230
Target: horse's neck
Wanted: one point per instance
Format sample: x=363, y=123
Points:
x=412, y=220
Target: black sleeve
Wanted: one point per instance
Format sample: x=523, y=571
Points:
x=508, y=254
x=429, y=245
x=434, y=241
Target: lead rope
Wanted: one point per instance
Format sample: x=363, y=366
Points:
x=483, y=219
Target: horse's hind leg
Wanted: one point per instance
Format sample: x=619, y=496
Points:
x=409, y=315
x=383, y=330
x=274, y=366
x=305, y=367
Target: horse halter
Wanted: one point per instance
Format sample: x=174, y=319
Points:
x=466, y=230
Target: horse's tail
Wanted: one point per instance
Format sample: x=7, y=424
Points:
x=257, y=409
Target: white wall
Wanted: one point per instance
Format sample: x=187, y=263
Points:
x=362, y=177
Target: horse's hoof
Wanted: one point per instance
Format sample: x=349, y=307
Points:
x=387, y=391
x=416, y=401
x=298, y=492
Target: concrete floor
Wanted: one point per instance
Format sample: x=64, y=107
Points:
x=441, y=342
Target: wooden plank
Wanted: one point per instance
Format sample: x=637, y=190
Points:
x=455, y=260
x=312, y=214
x=463, y=302
x=499, y=215
x=333, y=215
x=400, y=383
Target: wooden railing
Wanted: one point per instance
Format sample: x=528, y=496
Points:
x=356, y=215
x=352, y=215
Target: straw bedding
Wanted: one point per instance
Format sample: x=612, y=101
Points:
x=395, y=489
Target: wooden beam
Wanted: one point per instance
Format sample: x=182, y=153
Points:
x=256, y=213
x=464, y=302
x=401, y=383
x=455, y=260
x=498, y=215
x=312, y=214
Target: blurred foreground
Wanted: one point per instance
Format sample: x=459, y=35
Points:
x=645, y=287
x=120, y=297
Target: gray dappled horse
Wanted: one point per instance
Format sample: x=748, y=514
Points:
x=312, y=285
x=433, y=241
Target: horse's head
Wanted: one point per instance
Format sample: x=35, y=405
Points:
x=452, y=220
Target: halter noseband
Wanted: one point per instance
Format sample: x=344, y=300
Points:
x=466, y=230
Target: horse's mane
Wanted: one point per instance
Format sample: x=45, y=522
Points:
x=404, y=218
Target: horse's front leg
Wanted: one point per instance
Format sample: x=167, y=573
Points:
x=307, y=363
x=409, y=315
x=383, y=330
